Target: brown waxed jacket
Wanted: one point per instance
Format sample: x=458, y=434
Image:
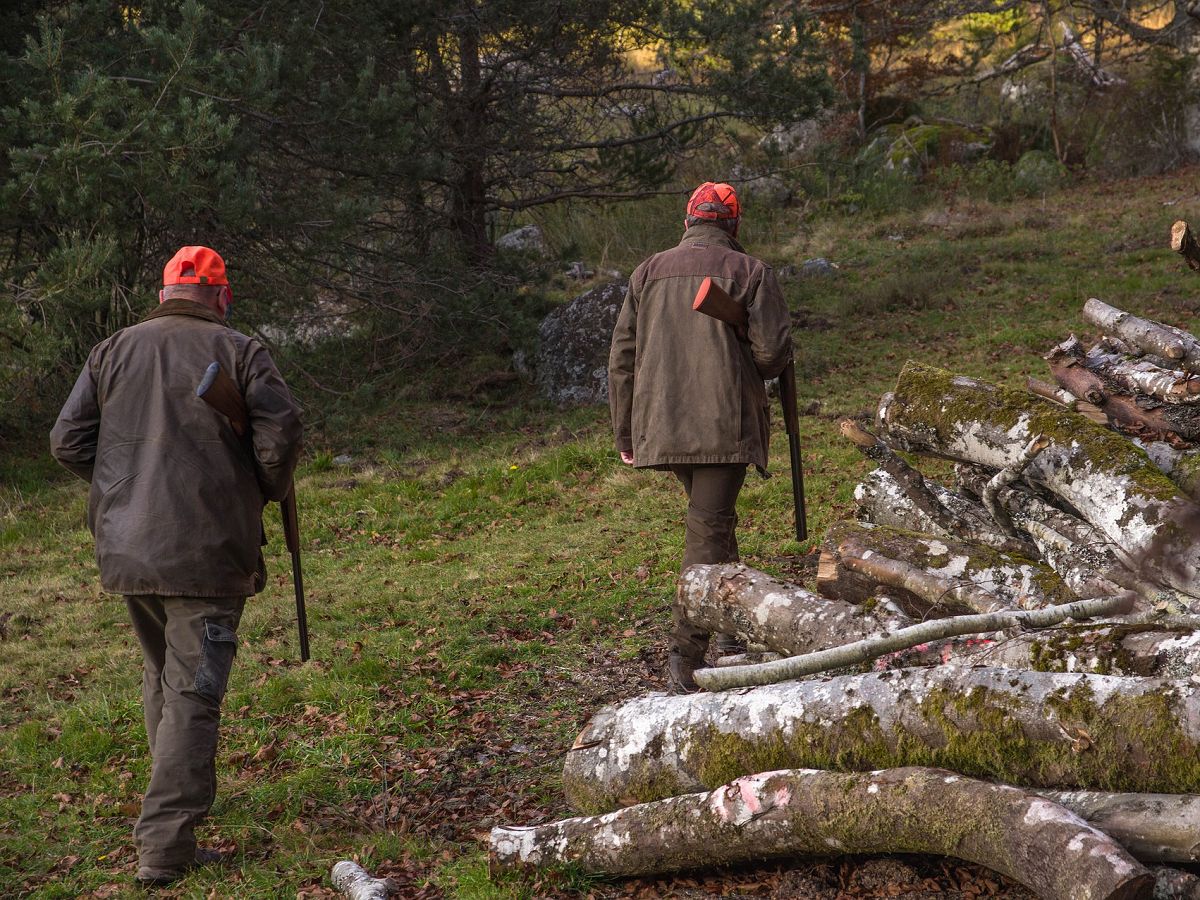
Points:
x=682, y=388
x=176, y=497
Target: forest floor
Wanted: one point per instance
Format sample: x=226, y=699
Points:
x=484, y=574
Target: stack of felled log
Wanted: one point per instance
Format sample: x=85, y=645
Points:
x=998, y=664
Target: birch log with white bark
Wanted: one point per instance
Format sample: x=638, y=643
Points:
x=735, y=599
x=957, y=575
x=1111, y=483
x=792, y=813
x=1181, y=465
x=1142, y=376
x=728, y=678
x=1146, y=335
x=355, y=883
x=1040, y=729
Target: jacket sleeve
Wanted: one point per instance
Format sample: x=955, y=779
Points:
x=770, y=326
x=274, y=423
x=620, y=372
x=75, y=435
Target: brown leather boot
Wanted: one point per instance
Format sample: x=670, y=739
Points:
x=154, y=876
x=679, y=674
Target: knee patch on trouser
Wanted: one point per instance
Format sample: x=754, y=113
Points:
x=216, y=660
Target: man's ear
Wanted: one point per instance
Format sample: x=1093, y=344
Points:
x=162, y=295
x=225, y=299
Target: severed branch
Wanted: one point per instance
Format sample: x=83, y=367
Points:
x=724, y=679
x=352, y=880
x=1065, y=398
x=1004, y=478
x=1183, y=242
x=807, y=812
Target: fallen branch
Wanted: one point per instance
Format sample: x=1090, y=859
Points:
x=1004, y=478
x=1152, y=827
x=728, y=678
x=802, y=813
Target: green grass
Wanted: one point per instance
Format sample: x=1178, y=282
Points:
x=486, y=573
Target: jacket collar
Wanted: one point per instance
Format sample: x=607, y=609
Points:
x=711, y=234
x=180, y=307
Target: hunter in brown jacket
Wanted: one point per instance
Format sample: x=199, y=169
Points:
x=687, y=395
x=176, y=505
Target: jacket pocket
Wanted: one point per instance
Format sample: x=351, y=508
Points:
x=216, y=659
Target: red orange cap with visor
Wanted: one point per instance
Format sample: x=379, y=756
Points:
x=714, y=200
x=197, y=265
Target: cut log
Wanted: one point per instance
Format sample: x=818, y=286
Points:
x=1138, y=415
x=1181, y=465
x=953, y=575
x=884, y=501
x=1039, y=729
x=1161, y=828
x=1112, y=484
x=802, y=813
x=735, y=599
x=1143, y=376
x=1115, y=648
x=353, y=881
x=1065, y=398
x=1145, y=334
x=724, y=679
x=1184, y=243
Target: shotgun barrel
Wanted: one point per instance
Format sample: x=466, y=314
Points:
x=713, y=300
x=220, y=392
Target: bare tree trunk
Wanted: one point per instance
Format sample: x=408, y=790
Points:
x=1109, y=482
x=803, y=813
x=1035, y=728
x=734, y=599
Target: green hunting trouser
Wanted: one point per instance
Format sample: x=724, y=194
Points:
x=188, y=645
x=712, y=492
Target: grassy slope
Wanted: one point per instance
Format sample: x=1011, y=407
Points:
x=486, y=576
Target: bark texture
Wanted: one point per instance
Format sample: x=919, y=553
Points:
x=356, y=883
x=1183, y=242
x=1033, y=728
x=798, y=813
x=735, y=599
x=1152, y=827
x=1111, y=483
x=1145, y=335
x=957, y=575
x=724, y=679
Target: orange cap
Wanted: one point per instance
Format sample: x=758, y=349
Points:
x=714, y=200
x=195, y=265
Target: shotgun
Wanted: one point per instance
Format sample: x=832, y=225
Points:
x=712, y=300
x=219, y=391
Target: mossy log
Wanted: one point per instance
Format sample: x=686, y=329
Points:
x=1163, y=828
x=1111, y=483
x=1152, y=650
x=1146, y=335
x=958, y=575
x=803, y=813
x=1039, y=729
x=735, y=599
x=1181, y=465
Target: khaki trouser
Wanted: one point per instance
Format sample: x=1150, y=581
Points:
x=712, y=492
x=188, y=645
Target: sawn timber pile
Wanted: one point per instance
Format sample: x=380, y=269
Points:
x=1014, y=652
